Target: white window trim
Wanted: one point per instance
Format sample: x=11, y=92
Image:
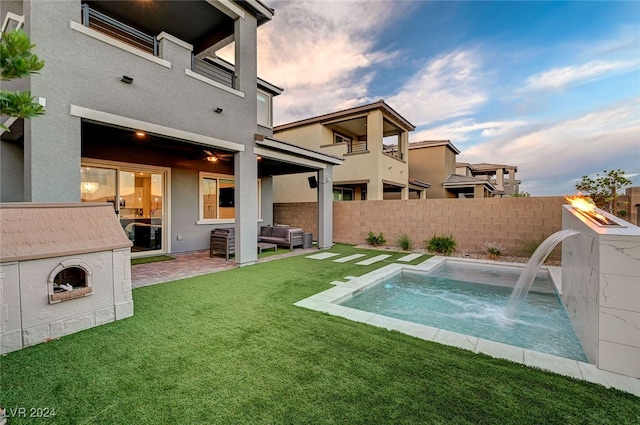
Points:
x=18, y=19
x=204, y=174
x=269, y=103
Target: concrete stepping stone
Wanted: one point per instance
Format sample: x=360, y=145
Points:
x=348, y=258
x=372, y=260
x=322, y=255
x=410, y=257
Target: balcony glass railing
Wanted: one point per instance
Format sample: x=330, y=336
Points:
x=112, y=27
x=213, y=71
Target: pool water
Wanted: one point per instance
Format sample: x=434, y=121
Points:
x=471, y=299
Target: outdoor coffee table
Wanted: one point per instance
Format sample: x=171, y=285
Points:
x=264, y=245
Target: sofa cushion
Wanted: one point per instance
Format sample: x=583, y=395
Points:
x=280, y=232
x=271, y=239
x=266, y=230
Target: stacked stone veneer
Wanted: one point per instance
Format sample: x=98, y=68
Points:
x=512, y=222
x=601, y=291
x=26, y=316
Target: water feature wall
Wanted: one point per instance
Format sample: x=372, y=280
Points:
x=601, y=290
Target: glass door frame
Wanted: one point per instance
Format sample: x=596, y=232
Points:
x=166, y=205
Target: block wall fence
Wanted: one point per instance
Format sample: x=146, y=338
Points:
x=515, y=223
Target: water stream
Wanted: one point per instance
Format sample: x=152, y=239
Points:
x=531, y=269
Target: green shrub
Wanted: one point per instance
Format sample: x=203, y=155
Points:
x=493, y=249
x=404, y=242
x=374, y=240
x=529, y=246
x=442, y=244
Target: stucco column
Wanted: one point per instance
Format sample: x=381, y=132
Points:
x=500, y=179
x=245, y=163
x=52, y=142
x=375, y=187
x=325, y=208
x=478, y=191
x=246, y=207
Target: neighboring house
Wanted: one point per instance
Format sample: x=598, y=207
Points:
x=502, y=177
x=142, y=115
x=373, y=139
x=434, y=162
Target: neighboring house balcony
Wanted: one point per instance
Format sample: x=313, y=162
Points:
x=373, y=139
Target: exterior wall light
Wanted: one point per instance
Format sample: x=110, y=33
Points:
x=126, y=80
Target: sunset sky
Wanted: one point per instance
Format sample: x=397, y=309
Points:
x=552, y=87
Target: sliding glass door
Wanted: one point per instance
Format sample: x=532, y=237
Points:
x=139, y=198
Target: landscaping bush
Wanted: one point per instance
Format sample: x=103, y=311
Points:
x=374, y=240
x=442, y=244
x=404, y=242
x=493, y=249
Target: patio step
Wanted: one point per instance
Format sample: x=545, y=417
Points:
x=349, y=258
x=322, y=255
x=409, y=257
x=372, y=260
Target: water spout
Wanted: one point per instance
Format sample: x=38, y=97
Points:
x=525, y=281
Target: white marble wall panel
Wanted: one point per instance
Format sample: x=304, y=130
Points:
x=620, y=256
x=622, y=292
x=580, y=286
x=621, y=326
x=619, y=358
x=601, y=291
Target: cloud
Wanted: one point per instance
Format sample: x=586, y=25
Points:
x=323, y=53
x=466, y=130
x=558, y=153
x=447, y=86
x=559, y=78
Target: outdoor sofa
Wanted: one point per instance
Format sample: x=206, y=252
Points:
x=282, y=236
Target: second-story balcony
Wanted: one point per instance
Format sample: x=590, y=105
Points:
x=198, y=23
x=106, y=24
x=142, y=35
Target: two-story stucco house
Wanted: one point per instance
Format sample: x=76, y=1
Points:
x=372, y=139
x=501, y=176
x=434, y=162
x=141, y=114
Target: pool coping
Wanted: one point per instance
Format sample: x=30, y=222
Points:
x=326, y=302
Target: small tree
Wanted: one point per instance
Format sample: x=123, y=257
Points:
x=17, y=61
x=521, y=195
x=603, y=190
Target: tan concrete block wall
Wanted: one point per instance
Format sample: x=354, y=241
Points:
x=512, y=222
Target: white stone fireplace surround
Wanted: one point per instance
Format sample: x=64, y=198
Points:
x=601, y=290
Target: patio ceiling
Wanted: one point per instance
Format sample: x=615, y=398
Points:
x=196, y=22
x=122, y=144
x=358, y=127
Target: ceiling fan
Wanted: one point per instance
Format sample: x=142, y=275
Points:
x=214, y=157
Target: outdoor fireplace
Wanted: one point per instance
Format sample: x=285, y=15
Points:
x=63, y=268
x=585, y=207
x=601, y=287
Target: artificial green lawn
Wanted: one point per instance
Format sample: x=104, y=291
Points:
x=231, y=348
